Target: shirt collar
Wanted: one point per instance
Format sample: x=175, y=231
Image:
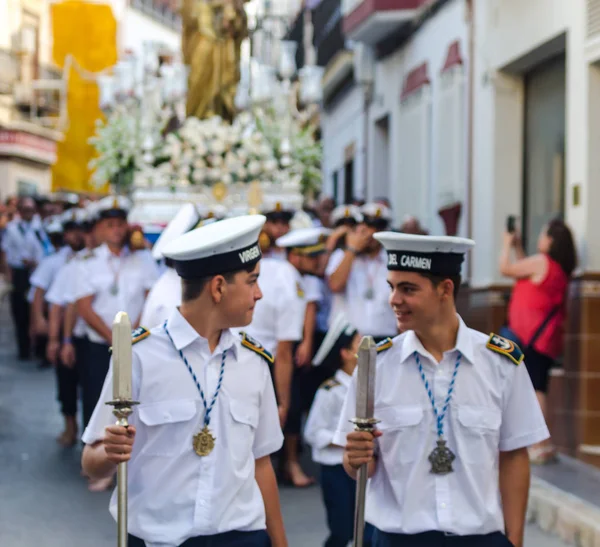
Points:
x=342, y=377
x=463, y=344
x=183, y=334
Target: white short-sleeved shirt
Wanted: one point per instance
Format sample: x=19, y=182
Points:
x=62, y=291
x=279, y=315
x=162, y=299
x=312, y=288
x=371, y=316
x=133, y=275
x=15, y=243
x=323, y=419
x=493, y=409
x=46, y=272
x=173, y=493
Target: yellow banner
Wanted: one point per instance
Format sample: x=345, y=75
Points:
x=87, y=32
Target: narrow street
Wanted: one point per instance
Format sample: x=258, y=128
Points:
x=44, y=501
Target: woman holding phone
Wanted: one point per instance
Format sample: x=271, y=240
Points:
x=537, y=311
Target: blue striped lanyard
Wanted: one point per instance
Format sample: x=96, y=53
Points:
x=207, y=408
x=439, y=416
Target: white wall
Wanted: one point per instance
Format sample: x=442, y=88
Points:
x=429, y=45
x=12, y=171
x=135, y=28
x=343, y=126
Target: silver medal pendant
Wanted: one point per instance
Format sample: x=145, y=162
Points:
x=441, y=459
x=369, y=294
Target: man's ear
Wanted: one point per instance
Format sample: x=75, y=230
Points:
x=447, y=288
x=217, y=288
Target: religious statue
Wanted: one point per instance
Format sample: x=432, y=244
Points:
x=212, y=34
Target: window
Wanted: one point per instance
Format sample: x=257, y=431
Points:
x=349, y=181
x=449, y=169
x=412, y=195
x=334, y=181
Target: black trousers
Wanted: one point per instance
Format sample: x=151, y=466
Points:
x=67, y=383
x=94, y=367
x=439, y=539
x=20, y=310
x=339, y=495
x=258, y=538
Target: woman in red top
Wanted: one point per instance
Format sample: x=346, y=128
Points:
x=537, y=306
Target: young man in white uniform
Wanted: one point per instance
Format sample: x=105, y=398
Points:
x=448, y=462
x=199, y=446
x=110, y=280
x=165, y=295
x=356, y=276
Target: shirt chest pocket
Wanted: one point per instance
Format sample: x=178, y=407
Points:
x=402, y=428
x=477, y=433
x=169, y=427
x=244, y=421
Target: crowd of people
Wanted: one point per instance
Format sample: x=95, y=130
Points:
x=324, y=282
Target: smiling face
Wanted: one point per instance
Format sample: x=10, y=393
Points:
x=418, y=302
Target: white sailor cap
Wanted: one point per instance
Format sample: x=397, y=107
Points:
x=277, y=209
x=339, y=336
x=221, y=247
x=377, y=214
x=186, y=218
x=300, y=220
x=71, y=219
x=213, y=213
x=435, y=255
x=306, y=241
x=55, y=225
x=113, y=207
x=343, y=214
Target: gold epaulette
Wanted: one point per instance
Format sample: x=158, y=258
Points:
x=256, y=347
x=387, y=343
x=505, y=347
x=328, y=384
x=139, y=334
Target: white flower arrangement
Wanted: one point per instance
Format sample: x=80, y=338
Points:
x=120, y=143
x=204, y=152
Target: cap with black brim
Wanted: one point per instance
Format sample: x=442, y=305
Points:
x=222, y=247
x=439, y=256
x=340, y=334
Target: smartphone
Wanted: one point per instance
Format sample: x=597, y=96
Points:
x=511, y=224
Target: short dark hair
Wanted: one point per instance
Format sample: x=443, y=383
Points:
x=437, y=279
x=562, y=249
x=192, y=288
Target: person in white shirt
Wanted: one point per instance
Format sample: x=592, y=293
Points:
x=111, y=280
x=337, y=354
x=303, y=247
x=46, y=271
x=66, y=333
x=20, y=265
x=357, y=276
x=200, y=441
x=278, y=214
x=448, y=461
x=165, y=295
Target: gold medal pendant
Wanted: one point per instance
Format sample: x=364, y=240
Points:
x=204, y=442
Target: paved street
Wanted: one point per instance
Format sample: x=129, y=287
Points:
x=44, y=501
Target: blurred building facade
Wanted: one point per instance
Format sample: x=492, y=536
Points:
x=463, y=112
x=536, y=127
x=33, y=90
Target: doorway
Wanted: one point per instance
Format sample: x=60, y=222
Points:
x=544, y=158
